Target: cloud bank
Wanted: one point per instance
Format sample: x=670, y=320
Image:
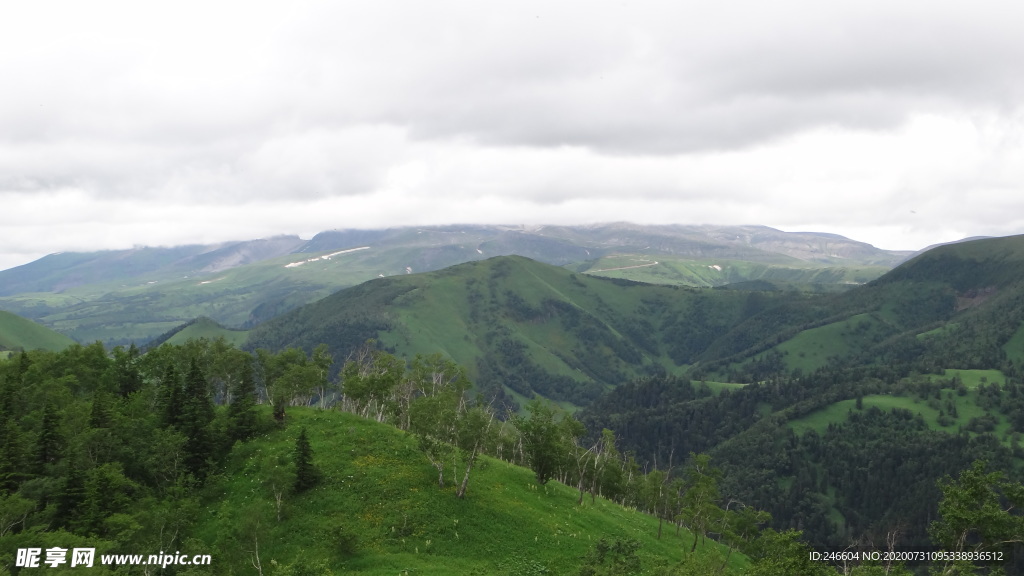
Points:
x=897, y=123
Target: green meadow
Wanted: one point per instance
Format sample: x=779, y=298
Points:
x=378, y=510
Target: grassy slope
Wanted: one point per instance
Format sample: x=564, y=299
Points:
x=574, y=326
x=17, y=332
x=661, y=269
x=206, y=328
x=100, y=297
x=966, y=406
x=380, y=494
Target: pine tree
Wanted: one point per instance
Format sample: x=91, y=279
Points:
x=306, y=475
x=10, y=456
x=196, y=415
x=47, y=448
x=99, y=416
x=242, y=410
x=169, y=403
x=72, y=492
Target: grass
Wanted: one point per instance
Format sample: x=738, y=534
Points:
x=666, y=269
x=1014, y=347
x=378, y=510
x=973, y=378
x=967, y=407
x=206, y=328
x=717, y=387
x=813, y=348
x=20, y=333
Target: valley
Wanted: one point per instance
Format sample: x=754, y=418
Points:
x=836, y=399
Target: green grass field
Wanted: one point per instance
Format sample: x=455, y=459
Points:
x=967, y=407
x=20, y=333
x=974, y=378
x=206, y=328
x=378, y=510
x=664, y=269
x=811, y=349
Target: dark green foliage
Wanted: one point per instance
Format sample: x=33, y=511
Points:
x=169, y=397
x=617, y=558
x=776, y=553
x=306, y=475
x=49, y=442
x=242, y=415
x=547, y=438
x=12, y=470
x=124, y=371
x=980, y=511
x=196, y=414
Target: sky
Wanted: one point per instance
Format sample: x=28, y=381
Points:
x=131, y=123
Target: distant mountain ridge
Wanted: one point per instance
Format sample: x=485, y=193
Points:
x=134, y=295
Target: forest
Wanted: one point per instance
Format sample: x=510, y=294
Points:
x=116, y=449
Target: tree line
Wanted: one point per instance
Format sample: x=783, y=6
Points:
x=109, y=446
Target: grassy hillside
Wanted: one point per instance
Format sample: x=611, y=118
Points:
x=19, y=333
x=201, y=327
x=378, y=510
x=673, y=270
x=135, y=295
x=524, y=327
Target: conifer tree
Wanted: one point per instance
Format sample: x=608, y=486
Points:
x=99, y=416
x=72, y=492
x=47, y=448
x=196, y=415
x=242, y=410
x=170, y=398
x=306, y=475
x=10, y=456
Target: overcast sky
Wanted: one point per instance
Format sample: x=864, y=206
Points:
x=127, y=123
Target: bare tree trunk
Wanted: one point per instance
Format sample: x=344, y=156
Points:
x=461, y=492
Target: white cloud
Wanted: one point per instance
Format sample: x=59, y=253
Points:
x=127, y=123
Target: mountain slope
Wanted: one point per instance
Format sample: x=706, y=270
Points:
x=378, y=510
x=134, y=295
x=854, y=404
x=522, y=326
x=17, y=333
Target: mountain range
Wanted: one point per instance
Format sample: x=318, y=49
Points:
x=134, y=295
x=837, y=410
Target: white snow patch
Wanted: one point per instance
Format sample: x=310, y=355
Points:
x=479, y=251
x=716, y=267
x=325, y=256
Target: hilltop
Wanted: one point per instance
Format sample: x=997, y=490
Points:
x=523, y=327
x=17, y=333
x=378, y=510
x=135, y=295
x=909, y=377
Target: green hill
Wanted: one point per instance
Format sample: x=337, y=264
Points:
x=892, y=384
x=17, y=333
x=126, y=296
x=378, y=510
x=522, y=327
x=201, y=327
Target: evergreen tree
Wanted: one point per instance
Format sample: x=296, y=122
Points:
x=242, y=410
x=99, y=416
x=196, y=415
x=124, y=371
x=306, y=475
x=169, y=403
x=72, y=492
x=10, y=455
x=47, y=448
